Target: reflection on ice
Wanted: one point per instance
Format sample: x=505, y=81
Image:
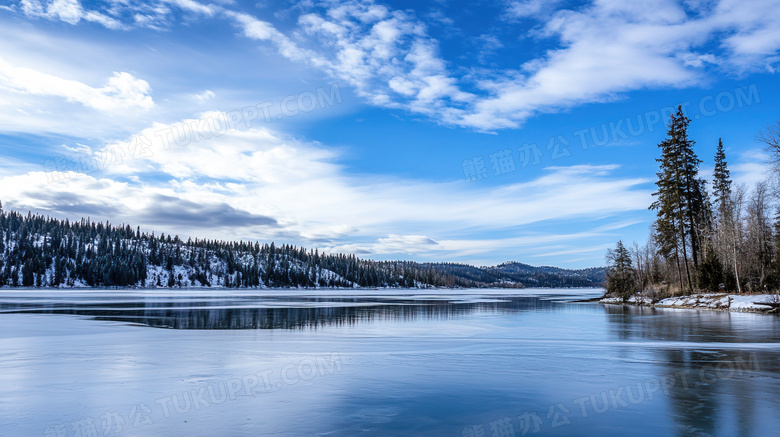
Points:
x=282, y=310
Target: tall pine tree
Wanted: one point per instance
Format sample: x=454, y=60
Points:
x=727, y=239
x=681, y=200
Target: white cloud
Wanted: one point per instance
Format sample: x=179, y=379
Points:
x=264, y=31
x=605, y=48
x=383, y=54
x=259, y=176
x=696, y=60
x=123, y=90
x=69, y=11
x=198, y=8
x=102, y=19
x=752, y=36
x=123, y=14
x=205, y=96
x=751, y=167
x=530, y=8
x=601, y=249
x=391, y=244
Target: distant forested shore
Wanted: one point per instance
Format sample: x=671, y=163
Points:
x=41, y=251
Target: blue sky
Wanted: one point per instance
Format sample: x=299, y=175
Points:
x=476, y=132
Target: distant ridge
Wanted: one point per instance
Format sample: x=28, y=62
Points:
x=529, y=276
x=39, y=251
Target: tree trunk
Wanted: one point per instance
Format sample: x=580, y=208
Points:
x=736, y=270
x=685, y=250
x=679, y=271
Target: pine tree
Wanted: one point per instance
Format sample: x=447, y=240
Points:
x=621, y=279
x=711, y=272
x=667, y=229
x=721, y=184
x=726, y=234
x=694, y=194
x=681, y=200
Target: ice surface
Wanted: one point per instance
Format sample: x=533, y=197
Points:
x=373, y=362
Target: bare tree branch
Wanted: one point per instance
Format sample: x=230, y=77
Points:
x=771, y=139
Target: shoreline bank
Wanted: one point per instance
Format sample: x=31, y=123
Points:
x=710, y=301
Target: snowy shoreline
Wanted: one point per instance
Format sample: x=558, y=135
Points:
x=710, y=301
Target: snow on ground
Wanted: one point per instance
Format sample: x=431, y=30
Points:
x=635, y=300
x=712, y=301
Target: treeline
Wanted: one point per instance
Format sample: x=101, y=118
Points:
x=40, y=251
x=720, y=239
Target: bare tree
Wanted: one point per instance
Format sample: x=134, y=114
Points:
x=637, y=253
x=731, y=232
x=771, y=139
x=758, y=237
x=647, y=261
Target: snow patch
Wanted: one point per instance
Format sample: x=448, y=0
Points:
x=710, y=301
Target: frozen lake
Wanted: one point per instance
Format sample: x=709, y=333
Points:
x=379, y=362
